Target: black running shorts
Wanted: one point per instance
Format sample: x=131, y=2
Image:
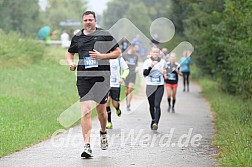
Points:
x=93, y=88
x=131, y=78
x=114, y=93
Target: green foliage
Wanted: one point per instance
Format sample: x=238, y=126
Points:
x=138, y=15
x=31, y=100
x=25, y=16
x=236, y=41
x=21, y=16
x=63, y=10
x=156, y=9
x=115, y=11
x=198, y=28
x=233, y=122
x=16, y=51
x=220, y=32
x=33, y=97
x=177, y=13
x=140, y=12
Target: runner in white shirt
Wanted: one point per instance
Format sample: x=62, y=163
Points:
x=154, y=69
x=116, y=79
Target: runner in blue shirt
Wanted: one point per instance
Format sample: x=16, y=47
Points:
x=186, y=61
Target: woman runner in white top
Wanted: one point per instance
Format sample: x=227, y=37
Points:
x=154, y=70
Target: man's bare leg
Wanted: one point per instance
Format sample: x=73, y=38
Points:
x=86, y=123
x=102, y=116
x=129, y=93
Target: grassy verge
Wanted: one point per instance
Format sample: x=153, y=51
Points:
x=31, y=99
x=32, y=96
x=233, y=120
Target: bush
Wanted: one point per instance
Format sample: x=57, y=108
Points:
x=237, y=40
x=15, y=51
x=222, y=36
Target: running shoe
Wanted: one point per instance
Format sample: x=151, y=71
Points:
x=152, y=122
x=87, y=153
x=109, y=125
x=104, y=141
x=173, y=110
x=128, y=107
x=169, y=109
x=118, y=112
x=154, y=126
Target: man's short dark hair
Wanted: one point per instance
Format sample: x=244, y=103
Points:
x=88, y=13
x=132, y=45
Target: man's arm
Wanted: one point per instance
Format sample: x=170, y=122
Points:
x=103, y=56
x=70, y=60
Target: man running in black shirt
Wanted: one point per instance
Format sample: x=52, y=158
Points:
x=95, y=47
x=131, y=59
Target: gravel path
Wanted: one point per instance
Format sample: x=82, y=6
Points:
x=183, y=139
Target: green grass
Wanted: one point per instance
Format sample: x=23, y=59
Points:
x=32, y=96
x=34, y=90
x=31, y=99
x=233, y=120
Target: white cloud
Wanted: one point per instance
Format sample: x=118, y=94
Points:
x=97, y=5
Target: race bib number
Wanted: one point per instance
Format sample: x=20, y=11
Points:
x=90, y=63
x=172, y=76
x=113, y=80
x=114, y=67
x=131, y=61
x=155, y=79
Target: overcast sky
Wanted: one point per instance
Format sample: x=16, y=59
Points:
x=95, y=5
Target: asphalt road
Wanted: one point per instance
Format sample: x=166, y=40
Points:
x=182, y=139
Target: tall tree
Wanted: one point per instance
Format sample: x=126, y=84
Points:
x=236, y=40
x=138, y=15
x=198, y=28
x=57, y=11
x=221, y=34
x=20, y=16
x=158, y=8
x=115, y=11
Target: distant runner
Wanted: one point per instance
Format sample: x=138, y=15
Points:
x=186, y=61
x=172, y=81
x=154, y=70
x=131, y=59
x=116, y=65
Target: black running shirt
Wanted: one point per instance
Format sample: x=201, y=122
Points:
x=100, y=40
x=132, y=60
x=171, y=73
